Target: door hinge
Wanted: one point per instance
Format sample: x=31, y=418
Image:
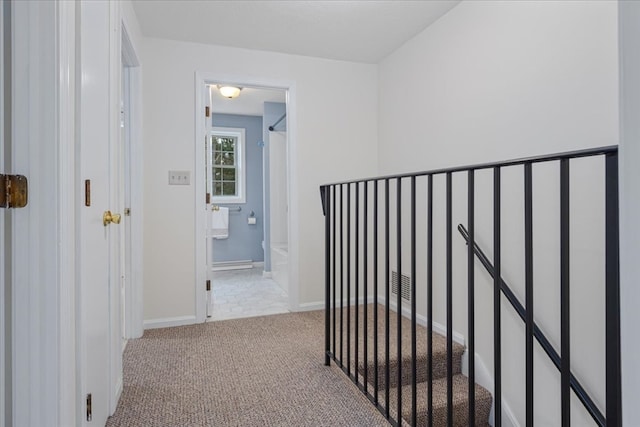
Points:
x=206, y=111
x=89, y=412
x=13, y=191
x=208, y=285
x=87, y=192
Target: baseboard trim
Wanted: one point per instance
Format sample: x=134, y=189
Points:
x=169, y=322
x=486, y=380
x=244, y=264
x=423, y=321
x=319, y=305
x=310, y=306
x=119, y=387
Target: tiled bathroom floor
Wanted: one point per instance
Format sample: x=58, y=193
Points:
x=245, y=293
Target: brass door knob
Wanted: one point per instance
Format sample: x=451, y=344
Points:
x=108, y=218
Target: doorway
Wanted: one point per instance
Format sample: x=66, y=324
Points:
x=247, y=204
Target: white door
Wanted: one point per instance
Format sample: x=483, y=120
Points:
x=125, y=259
x=99, y=284
x=37, y=344
x=4, y=242
x=208, y=170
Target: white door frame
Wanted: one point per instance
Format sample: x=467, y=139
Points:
x=202, y=78
x=629, y=155
x=134, y=323
x=43, y=271
x=67, y=187
x=4, y=280
x=117, y=204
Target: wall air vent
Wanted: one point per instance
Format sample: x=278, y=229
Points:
x=405, y=286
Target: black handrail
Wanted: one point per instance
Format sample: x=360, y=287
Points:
x=537, y=333
x=500, y=164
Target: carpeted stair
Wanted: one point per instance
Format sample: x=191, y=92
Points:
x=460, y=382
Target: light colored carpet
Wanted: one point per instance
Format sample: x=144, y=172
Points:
x=261, y=371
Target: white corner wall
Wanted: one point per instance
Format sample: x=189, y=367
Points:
x=629, y=15
x=131, y=23
x=336, y=139
x=496, y=80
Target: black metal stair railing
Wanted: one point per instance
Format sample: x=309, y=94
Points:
x=365, y=241
x=546, y=345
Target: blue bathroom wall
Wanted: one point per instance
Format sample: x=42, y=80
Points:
x=272, y=113
x=245, y=241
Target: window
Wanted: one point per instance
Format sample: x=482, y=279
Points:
x=226, y=166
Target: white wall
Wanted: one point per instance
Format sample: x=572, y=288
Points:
x=629, y=15
x=500, y=80
x=278, y=185
x=336, y=139
x=130, y=21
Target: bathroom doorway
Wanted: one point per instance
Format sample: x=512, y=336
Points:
x=246, y=187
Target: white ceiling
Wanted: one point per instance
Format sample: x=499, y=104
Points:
x=359, y=31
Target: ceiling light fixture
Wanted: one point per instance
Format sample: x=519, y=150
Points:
x=229, y=91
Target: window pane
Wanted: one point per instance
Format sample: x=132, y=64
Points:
x=228, y=144
x=228, y=174
x=229, y=188
x=217, y=189
x=228, y=159
x=217, y=158
x=225, y=173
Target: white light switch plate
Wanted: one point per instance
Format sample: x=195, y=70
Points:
x=179, y=177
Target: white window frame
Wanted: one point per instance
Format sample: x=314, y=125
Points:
x=241, y=169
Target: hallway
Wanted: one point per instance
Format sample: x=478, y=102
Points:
x=261, y=371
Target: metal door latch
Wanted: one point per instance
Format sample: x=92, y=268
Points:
x=13, y=191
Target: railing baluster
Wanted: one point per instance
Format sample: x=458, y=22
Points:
x=341, y=274
x=612, y=293
x=386, y=295
x=365, y=271
x=565, y=317
x=327, y=273
x=528, y=254
x=414, y=353
x=357, y=269
x=471, y=298
x=375, y=292
x=333, y=207
x=357, y=274
x=430, y=301
x=399, y=295
x=546, y=345
x=449, y=256
x=497, y=359
x=349, y=280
